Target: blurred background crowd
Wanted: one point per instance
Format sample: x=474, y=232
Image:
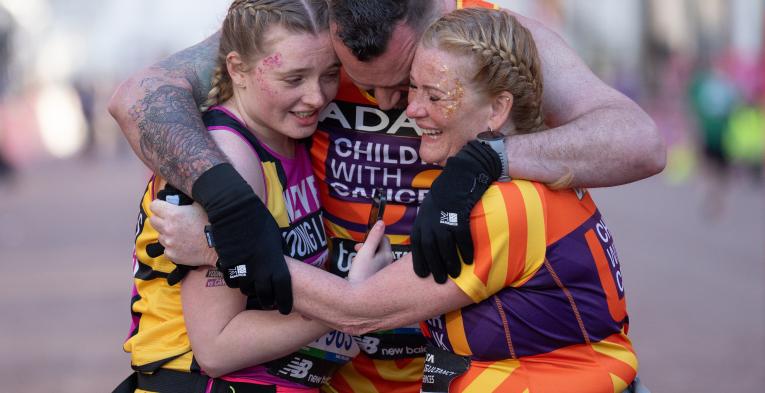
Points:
x=696, y=65
x=69, y=183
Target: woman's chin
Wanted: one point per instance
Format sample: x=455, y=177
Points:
x=437, y=159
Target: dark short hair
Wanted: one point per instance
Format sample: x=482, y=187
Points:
x=366, y=26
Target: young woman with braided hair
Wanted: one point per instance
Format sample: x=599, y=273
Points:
x=276, y=71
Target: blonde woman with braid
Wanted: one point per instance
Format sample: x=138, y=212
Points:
x=542, y=308
x=276, y=71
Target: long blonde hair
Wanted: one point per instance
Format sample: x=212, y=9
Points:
x=245, y=27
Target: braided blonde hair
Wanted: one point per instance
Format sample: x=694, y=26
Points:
x=244, y=30
x=503, y=56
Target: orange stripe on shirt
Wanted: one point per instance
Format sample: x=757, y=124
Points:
x=617, y=307
x=536, y=233
x=514, y=383
x=616, y=353
x=568, y=211
x=459, y=384
x=482, y=258
x=363, y=375
x=573, y=366
x=476, y=4
x=518, y=231
x=456, y=333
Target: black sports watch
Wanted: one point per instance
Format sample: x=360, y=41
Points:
x=496, y=140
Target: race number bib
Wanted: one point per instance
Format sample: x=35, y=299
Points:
x=441, y=368
x=314, y=364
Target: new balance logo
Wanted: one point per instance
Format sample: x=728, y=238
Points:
x=298, y=368
x=237, y=271
x=449, y=219
x=367, y=344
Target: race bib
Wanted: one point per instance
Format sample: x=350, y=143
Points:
x=441, y=368
x=314, y=364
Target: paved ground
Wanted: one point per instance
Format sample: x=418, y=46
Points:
x=695, y=288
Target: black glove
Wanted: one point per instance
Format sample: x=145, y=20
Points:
x=444, y=216
x=246, y=237
x=172, y=195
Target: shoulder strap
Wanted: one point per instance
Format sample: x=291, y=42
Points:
x=216, y=117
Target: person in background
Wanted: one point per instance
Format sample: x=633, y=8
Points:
x=712, y=98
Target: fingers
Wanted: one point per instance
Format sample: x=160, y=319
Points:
x=158, y=223
x=372, y=242
x=448, y=251
x=465, y=244
x=283, y=286
x=159, y=208
x=386, y=249
x=418, y=259
x=376, y=234
x=432, y=255
x=264, y=290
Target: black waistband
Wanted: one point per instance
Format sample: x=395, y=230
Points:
x=170, y=381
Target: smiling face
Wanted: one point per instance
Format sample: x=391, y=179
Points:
x=445, y=105
x=283, y=91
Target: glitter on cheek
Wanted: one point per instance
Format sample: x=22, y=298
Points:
x=454, y=100
x=263, y=84
x=444, y=73
x=271, y=62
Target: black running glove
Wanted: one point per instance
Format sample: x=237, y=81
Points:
x=172, y=195
x=443, y=220
x=246, y=237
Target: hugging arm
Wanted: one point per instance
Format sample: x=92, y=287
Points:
x=390, y=298
x=157, y=109
x=226, y=337
x=601, y=136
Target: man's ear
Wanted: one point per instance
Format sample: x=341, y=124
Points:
x=501, y=105
x=236, y=69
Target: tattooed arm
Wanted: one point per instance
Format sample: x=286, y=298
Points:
x=157, y=110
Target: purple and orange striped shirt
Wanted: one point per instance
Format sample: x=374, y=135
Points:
x=550, y=312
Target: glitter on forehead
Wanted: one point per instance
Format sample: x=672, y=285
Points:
x=273, y=61
x=269, y=63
